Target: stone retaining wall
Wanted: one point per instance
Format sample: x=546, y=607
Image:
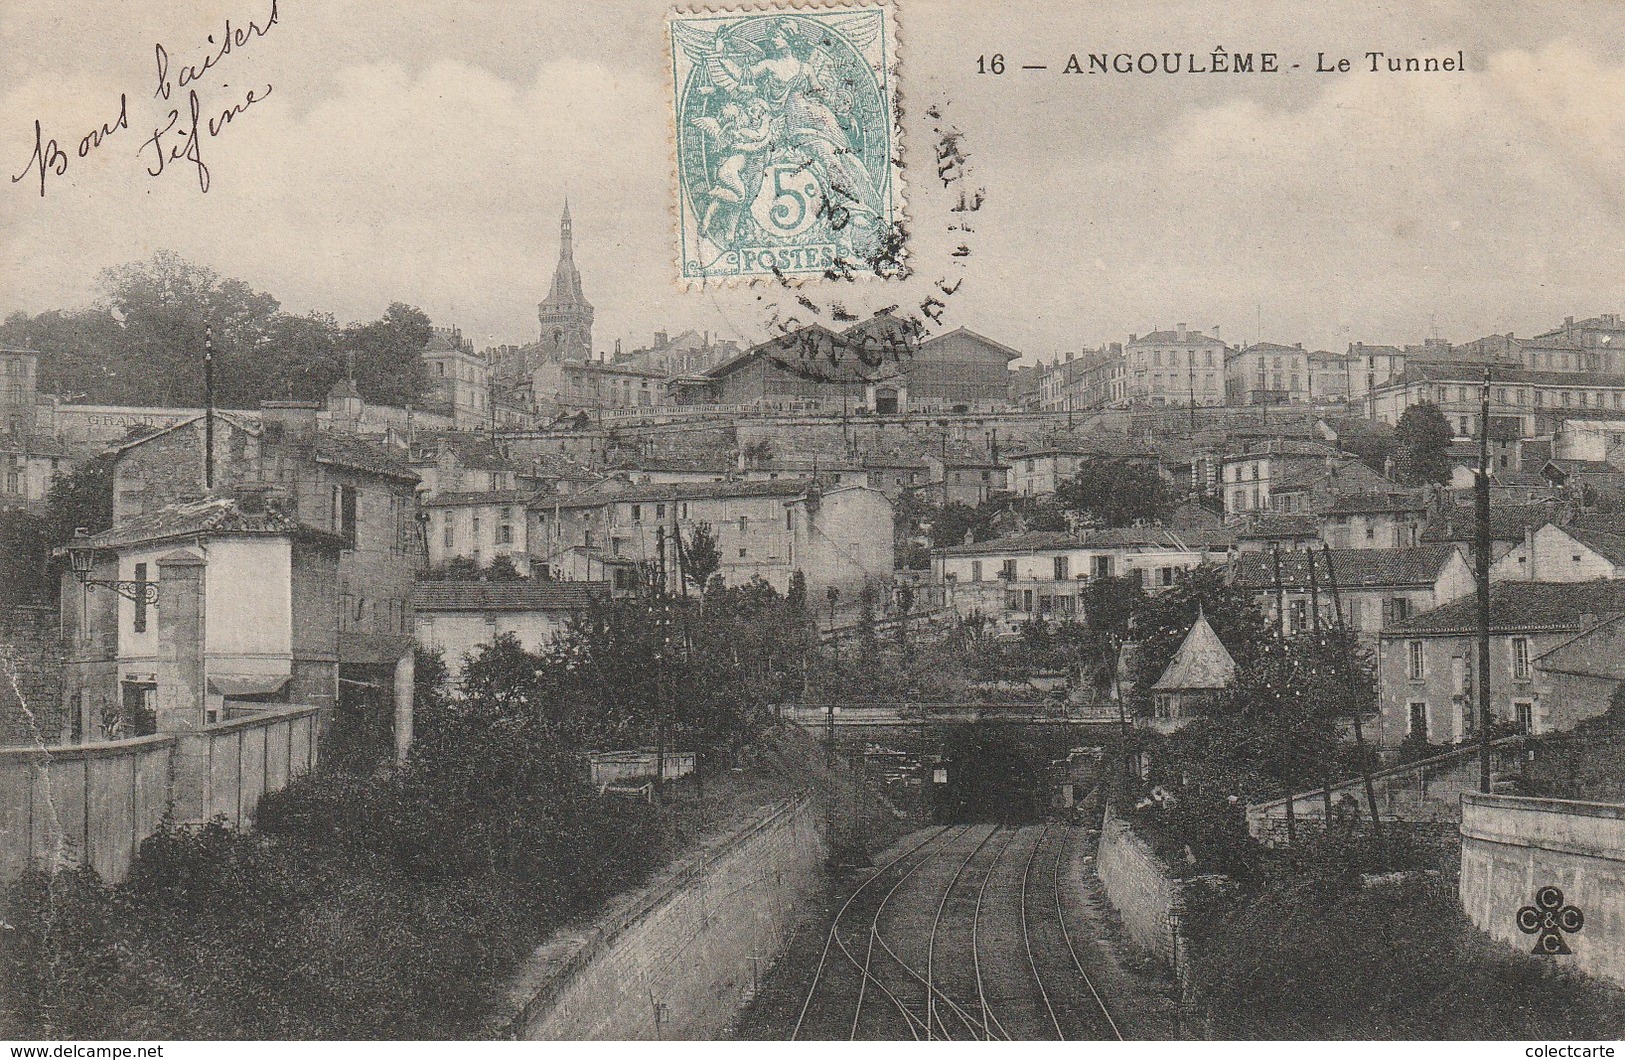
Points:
x=679, y=957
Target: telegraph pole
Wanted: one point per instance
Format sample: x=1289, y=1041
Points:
x=1482, y=535
x=208, y=408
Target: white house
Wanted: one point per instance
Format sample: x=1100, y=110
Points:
x=456, y=618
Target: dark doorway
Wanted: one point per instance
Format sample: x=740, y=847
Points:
x=885, y=401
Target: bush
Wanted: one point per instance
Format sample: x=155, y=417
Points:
x=1319, y=959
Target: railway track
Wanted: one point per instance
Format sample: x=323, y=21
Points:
x=963, y=935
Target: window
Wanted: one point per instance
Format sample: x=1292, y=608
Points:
x=475, y=530
x=1416, y=660
x=1100, y=566
x=1008, y=570
x=1419, y=720
x=975, y=570
x=141, y=598
x=1401, y=607
x=1166, y=575
x=345, y=504
x=744, y=524
x=637, y=513
x=1061, y=568
x=505, y=526
x=660, y=513
x=448, y=530
x=1520, y=658
x=1524, y=716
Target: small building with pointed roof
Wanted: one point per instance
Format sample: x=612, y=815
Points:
x=1199, y=670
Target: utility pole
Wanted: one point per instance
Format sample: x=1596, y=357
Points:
x=1359, y=734
x=208, y=408
x=1280, y=681
x=1482, y=541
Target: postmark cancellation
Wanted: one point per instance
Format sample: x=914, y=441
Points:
x=787, y=153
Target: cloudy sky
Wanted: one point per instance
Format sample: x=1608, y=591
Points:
x=421, y=150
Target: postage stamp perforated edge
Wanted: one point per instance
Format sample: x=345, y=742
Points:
x=895, y=188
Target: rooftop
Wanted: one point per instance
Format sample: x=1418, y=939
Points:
x=1374, y=503
x=1202, y=662
x=1522, y=607
x=534, y=595
x=682, y=491
x=210, y=516
x=1346, y=568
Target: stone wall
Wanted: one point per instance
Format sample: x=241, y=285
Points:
x=31, y=704
x=1514, y=847
x=1139, y=888
x=679, y=957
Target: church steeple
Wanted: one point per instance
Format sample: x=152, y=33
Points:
x=566, y=315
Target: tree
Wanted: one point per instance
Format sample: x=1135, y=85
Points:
x=389, y=368
x=1162, y=621
x=1422, y=445
x=503, y=569
x=701, y=556
x=953, y=521
x=1108, y=606
x=1117, y=492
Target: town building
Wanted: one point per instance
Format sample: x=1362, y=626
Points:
x=1040, y=472
x=1092, y=379
x=970, y=479
x=841, y=537
x=1247, y=478
x=1012, y=579
x=459, y=462
x=687, y=353
x=359, y=490
x=879, y=364
x=457, y=618
x=1392, y=518
x=460, y=381
x=1595, y=345
x=596, y=386
x=1510, y=525
x=1178, y=367
x=1558, y=553
x=478, y=526
x=1267, y=373
x=29, y=463
x=19, y=390
x=1369, y=367
x=1330, y=376
x=243, y=611
x=1533, y=402
x=1427, y=665
x=1366, y=590
x=1201, y=669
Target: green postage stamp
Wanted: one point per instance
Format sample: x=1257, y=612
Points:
x=787, y=148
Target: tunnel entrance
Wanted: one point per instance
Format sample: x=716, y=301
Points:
x=990, y=773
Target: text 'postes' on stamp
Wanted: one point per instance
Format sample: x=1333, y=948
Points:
x=786, y=142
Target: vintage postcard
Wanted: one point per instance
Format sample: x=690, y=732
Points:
x=811, y=520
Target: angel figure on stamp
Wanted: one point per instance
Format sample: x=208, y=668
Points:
x=744, y=128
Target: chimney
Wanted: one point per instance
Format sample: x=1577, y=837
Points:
x=1132, y=337
x=1529, y=551
x=1568, y=322
x=1179, y=333
x=660, y=338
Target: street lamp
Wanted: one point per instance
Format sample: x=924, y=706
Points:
x=82, y=556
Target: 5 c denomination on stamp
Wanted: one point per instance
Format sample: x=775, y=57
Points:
x=786, y=138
